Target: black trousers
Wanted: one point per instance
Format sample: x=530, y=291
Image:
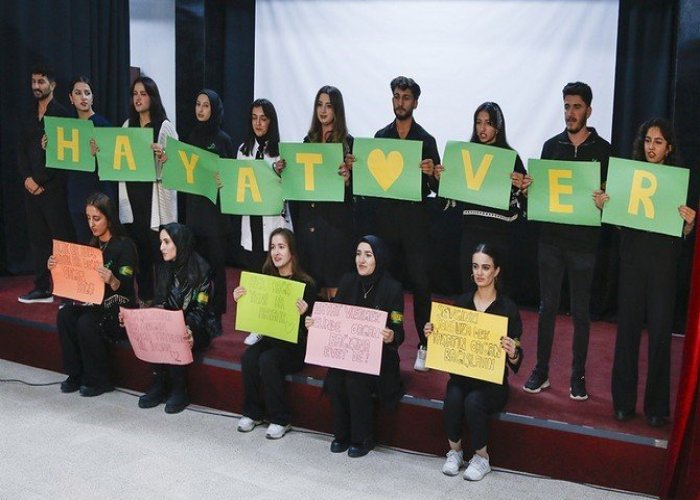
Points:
x=648, y=274
x=146, y=240
x=474, y=401
x=85, y=351
x=353, y=405
x=264, y=366
x=403, y=226
x=47, y=219
x=211, y=244
x=553, y=262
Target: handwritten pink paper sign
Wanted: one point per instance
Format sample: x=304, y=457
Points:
x=75, y=275
x=347, y=337
x=158, y=335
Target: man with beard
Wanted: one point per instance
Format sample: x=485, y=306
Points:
x=44, y=189
x=568, y=248
x=403, y=225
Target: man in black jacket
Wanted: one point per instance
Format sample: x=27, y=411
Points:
x=403, y=225
x=45, y=194
x=568, y=248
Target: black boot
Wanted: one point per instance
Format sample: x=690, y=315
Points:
x=178, y=399
x=156, y=393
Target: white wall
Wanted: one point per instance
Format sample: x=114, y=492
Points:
x=519, y=53
x=152, y=37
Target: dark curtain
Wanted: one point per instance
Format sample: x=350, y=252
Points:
x=77, y=37
x=683, y=461
x=215, y=48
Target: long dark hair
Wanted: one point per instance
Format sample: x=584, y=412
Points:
x=497, y=121
x=339, y=133
x=156, y=109
x=189, y=267
x=106, y=206
x=272, y=138
x=205, y=132
x=269, y=266
x=669, y=134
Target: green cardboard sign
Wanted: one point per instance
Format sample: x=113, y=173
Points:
x=125, y=154
x=250, y=187
x=387, y=168
x=311, y=173
x=190, y=169
x=477, y=173
x=562, y=192
x=68, y=145
x=269, y=306
x=646, y=196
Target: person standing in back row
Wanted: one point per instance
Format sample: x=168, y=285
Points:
x=403, y=225
x=568, y=248
x=45, y=189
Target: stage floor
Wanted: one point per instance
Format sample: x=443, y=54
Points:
x=551, y=408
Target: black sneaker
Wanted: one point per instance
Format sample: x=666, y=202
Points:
x=577, y=391
x=35, y=297
x=71, y=384
x=536, y=382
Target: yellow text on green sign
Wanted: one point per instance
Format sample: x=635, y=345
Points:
x=477, y=173
x=68, y=144
x=562, y=192
x=311, y=172
x=125, y=154
x=250, y=187
x=646, y=196
x=466, y=342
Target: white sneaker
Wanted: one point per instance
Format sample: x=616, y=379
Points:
x=455, y=460
x=419, y=365
x=247, y=424
x=253, y=339
x=275, y=431
x=477, y=469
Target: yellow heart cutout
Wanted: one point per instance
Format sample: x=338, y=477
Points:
x=385, y=169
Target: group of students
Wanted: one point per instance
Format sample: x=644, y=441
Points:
x=183, y=267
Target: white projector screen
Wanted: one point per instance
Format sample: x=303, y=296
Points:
x=462, y=52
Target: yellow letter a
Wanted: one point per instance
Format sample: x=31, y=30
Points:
x=247, y=180
x=122, y=150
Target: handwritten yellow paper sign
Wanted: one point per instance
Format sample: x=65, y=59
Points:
x=466, y=342
x=75, y=275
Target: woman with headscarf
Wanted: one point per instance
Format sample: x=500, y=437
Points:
x=183, y=282
x=85, y=330
x=203, y=217
x=265, y=363
x=351, y=393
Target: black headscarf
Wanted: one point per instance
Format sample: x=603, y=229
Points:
x=381, y=258
x=188, y=266
x=206, y=132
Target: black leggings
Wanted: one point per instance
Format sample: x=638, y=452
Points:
x=476, y=400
